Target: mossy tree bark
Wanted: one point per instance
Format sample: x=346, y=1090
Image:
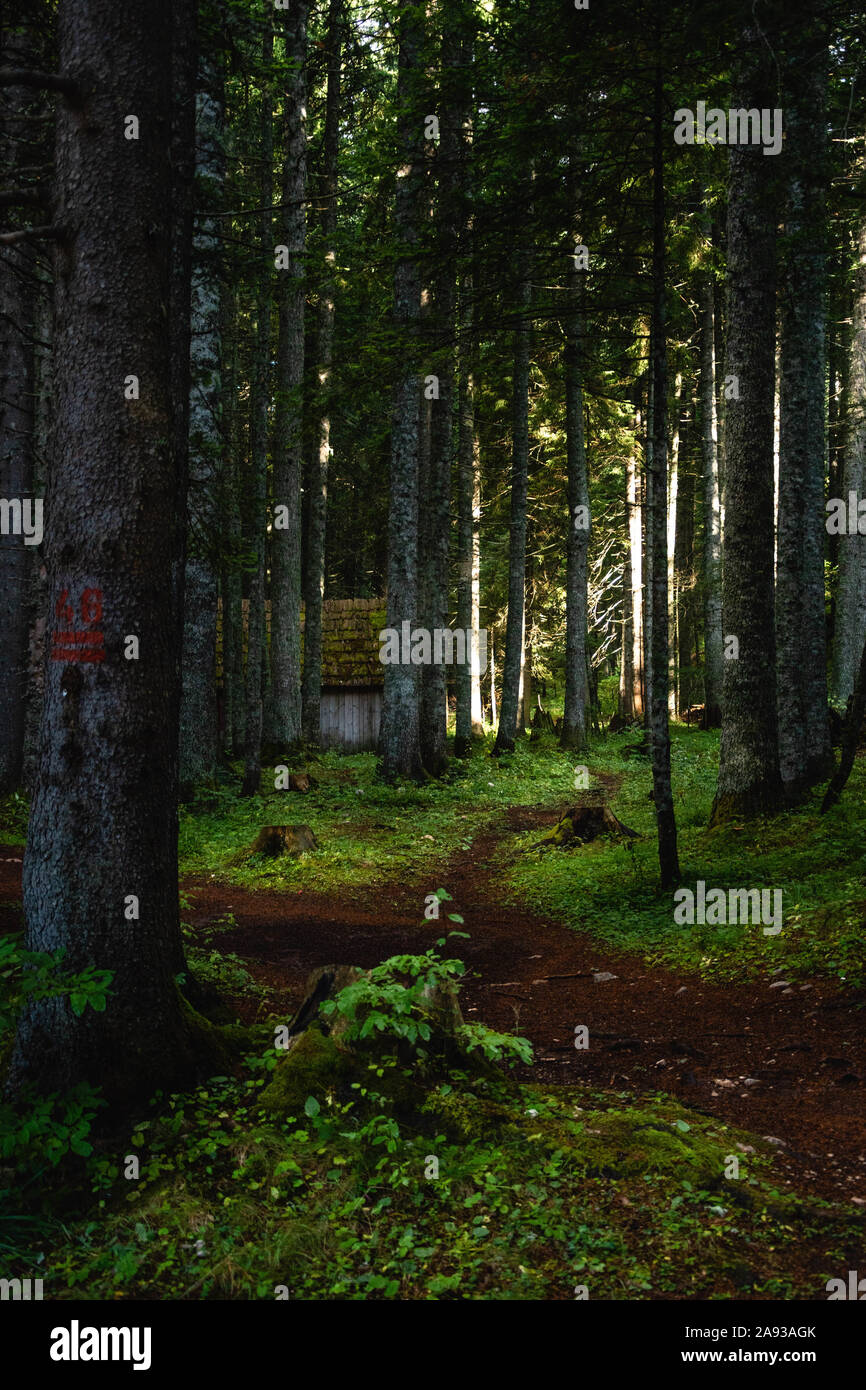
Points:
x=22, y=142
x=103, y=828
x=749, y=779
x=575, y=712
x=314, y=571
x=714, y=666
x=657, y=516
x=198, y=713
x=399, y=733
x=850, y=626
x=509, y=704
x=254, y=678
x=805, y=753
x=287, y=448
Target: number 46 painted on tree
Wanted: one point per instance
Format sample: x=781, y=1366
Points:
x=86, y=644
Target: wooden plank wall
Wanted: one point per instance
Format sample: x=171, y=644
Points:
x=350, y=719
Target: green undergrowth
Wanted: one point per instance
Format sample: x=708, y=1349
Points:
x=394, y=1157
x=486, y=1190
x=367, y=831
x=610, y=889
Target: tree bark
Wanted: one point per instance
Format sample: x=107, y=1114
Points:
x=288, y=440
x=314, y=573
x=436, y=526
x=509, y=705
x=399, y=733
x=805, y=752
x=713, y=644
x=850, y=626
x=259, y=401
x=575, y=713
x=198, y=712
x=656, y=510
x=19, y=149
x=749, y=779
x=108, y=764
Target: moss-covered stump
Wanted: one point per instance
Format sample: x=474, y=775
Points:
x=274, y=840
x=581, y=824
x=326, y=1054
x=314, y=1064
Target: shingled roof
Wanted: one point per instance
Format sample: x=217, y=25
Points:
x=350, y=641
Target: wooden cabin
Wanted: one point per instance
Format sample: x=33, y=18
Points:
x=352, y=675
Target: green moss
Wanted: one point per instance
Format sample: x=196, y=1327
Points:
x=314, y=1065
x=216, y=1047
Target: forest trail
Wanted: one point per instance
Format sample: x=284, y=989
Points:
x=791, y=1065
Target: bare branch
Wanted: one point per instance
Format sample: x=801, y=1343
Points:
x=30, y=234
x=43, y=81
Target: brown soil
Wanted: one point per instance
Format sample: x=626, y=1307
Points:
x=803, y=1053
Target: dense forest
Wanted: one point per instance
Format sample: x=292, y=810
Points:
x=432, y=475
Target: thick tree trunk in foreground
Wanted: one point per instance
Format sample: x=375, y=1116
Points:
x=657, y=510
x=287, y=440
x=749, y=779
x=100, y=868
x=399, y=735
x=314, y=570
x=805, y=754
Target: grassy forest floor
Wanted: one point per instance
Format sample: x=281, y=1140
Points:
x=603, y=1167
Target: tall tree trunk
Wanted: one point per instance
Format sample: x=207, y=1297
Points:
x=108, y=766
x=674, y=507
x=749, y=779
x=230, y=576
x=631, y=693
x=469, y=714
x=314, y=572
x=288, y=427
x=509, y=707
x=575, y=713
x=470, y=719
x=259, y=401
x=436, y=522
x=656, y=510
x=20, y=149
x=805, y=753
x=713, y=644
x=198, y=713
x=399, y=733
x=850, y=626
x=685, y=578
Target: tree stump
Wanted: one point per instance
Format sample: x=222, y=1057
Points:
x=581, y=824
x=274, y=840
